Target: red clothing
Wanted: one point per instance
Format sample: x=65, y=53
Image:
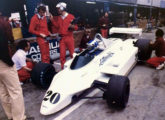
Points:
x=85, y=39
x=53, y=27
x=156, y=61
x=104, y=33
x=67, y=40
x=24, y=74
x=62, y=25
x=44, y=49
x=159, y=47
x=104, y=23
x=38, y=26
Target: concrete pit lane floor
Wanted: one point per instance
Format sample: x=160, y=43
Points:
x=146, y=101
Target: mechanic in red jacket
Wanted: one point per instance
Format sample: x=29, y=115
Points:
x=159, y=47
x=65, y=29
x=39, y=27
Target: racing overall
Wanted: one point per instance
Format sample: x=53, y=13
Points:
x=39, y=25
x=67, y=40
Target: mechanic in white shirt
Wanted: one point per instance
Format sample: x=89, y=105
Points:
x=23, y=64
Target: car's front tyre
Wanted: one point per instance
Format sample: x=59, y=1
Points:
x=117, y=93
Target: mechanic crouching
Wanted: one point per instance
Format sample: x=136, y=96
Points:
x=159, y=46
x=23, y=65
x=65, y=29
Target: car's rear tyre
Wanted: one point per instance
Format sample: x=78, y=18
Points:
x=117, y=93
x=144, y=52
x=42, y=74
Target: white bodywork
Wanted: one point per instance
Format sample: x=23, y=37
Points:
x=118, y=57
x=132, y=31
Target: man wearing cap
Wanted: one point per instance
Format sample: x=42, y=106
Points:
x=65, y=29
x=38, y=26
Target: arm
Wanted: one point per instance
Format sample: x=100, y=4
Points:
x=155, y=44
x=32, y=61
x=26, y=68
x=32, y=27
x=54, y=21
x=22, y=61
x=73, y=25
x=29, y=60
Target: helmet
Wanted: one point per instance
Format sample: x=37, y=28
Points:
x=61, y=5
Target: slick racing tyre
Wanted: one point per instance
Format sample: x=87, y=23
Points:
x=42, y=74
x=144, y=51
x=117, y=93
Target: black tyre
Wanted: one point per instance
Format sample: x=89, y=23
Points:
x=42, y=74
x=117, y=93
x=145, y=51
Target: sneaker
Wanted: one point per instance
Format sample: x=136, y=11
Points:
x=160, y=67
x=21, y=83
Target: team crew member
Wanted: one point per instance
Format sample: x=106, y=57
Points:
x=39, y=27
x=53, y=27
x=65, y=29
x=85, y=39
x=159, y=47
x=104, y=24
x=10, y=90
x=19, y=58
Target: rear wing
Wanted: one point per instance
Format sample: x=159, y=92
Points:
x=133, y=31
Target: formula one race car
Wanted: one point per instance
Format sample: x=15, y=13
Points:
x=105, y=64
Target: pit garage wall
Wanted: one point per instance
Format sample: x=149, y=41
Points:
x=89, y=13
x=118, y=16
x=11, y=6
x=31, y=5
x=144, y=2
x=125, y=1
x=150, y=9
x=77, y=7
x=162, y=4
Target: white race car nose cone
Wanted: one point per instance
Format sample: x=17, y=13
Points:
x=54, y=102
x=50, y=99
x=53, y=98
